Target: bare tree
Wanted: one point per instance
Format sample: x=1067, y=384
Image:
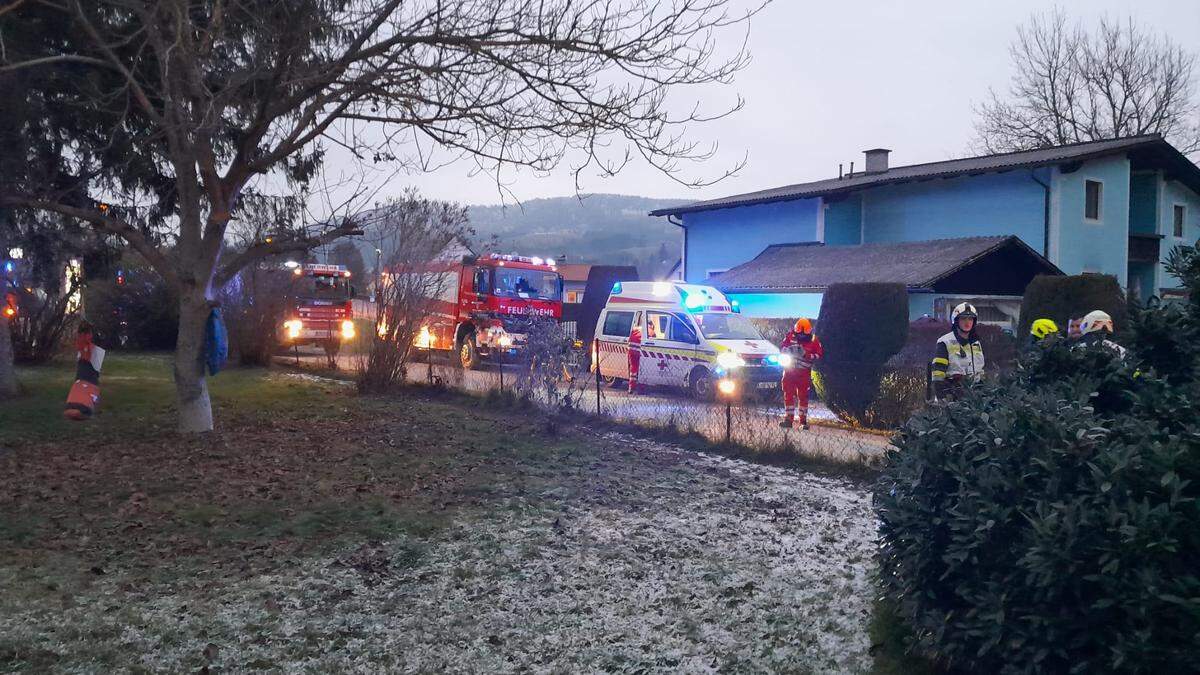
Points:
x=420, y=276
x=171, y=110
x=1071, y=85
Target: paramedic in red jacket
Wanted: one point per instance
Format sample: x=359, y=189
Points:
x=635, y=355
x=801, y=349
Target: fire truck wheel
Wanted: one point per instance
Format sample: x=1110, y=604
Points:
x=468, y=355
x=701, y=384
x=611, y=381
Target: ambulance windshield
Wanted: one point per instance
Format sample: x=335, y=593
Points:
x=721, y=326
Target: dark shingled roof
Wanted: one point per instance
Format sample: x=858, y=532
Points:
x=919, y=265
x=1076, y=152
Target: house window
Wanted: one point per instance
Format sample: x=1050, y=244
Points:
x=1092, y=194
x=1177, y=220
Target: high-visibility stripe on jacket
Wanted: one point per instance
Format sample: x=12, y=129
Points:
x=954, y=357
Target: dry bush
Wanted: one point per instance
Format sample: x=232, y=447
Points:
x=418, y=237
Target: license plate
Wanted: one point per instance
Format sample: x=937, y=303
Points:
x=767, y=385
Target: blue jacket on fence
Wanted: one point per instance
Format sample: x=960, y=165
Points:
x=216, y=343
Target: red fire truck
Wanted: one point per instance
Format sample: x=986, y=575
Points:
x=320, y=308
x=487, y=303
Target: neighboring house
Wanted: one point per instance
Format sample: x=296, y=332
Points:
x=1111, y=207
x=575, y=278
x=787, y=280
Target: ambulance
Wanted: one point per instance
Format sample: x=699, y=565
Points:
x=692, y=337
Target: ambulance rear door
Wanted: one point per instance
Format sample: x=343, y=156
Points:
x=612, y=341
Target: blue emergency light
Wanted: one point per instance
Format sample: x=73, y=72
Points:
x=691, y=302
x=616, y=288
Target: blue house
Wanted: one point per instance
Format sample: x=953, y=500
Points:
x=1112, y=207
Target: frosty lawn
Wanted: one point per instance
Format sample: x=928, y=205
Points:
x=429, y=537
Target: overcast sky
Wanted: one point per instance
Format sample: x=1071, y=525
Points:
x=827, y=80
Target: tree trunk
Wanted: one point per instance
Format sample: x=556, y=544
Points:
x=8, y=376
x=195, y=409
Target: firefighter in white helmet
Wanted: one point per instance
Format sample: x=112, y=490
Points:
x=958, y=357
x=1096, y=328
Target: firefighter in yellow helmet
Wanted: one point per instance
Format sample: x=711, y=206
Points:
x=958, y=356
x=1042, y=329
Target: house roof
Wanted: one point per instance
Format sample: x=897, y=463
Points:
x=574, y=271
x=1150, y=147
x=919, y=265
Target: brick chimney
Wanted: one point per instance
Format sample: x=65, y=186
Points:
x=877, y=160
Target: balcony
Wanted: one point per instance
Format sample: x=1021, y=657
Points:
x=1144, y=248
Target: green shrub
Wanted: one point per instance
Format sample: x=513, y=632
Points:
x=1066, y=298
x=142, y=313
x=861, y=326
x=1047, y=521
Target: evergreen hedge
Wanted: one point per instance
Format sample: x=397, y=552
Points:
x=1049, y=521
x=861, y=326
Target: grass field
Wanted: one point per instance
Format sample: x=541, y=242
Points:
x=318, y=530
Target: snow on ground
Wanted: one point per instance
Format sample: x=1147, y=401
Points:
x=701, y=564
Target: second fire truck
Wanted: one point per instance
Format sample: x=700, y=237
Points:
x=487, y=304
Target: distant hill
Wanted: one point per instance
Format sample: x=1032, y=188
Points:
x=596, y=228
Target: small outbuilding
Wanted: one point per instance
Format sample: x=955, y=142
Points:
x=788, y=280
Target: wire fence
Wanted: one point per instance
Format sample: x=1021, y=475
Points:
x=563, y=382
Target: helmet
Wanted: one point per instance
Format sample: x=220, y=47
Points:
x=803, y=326
x=1095, y=320
x=1043, y=327
x=963, y=309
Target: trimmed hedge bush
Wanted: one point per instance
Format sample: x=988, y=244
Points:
x=1049, y=521
x=861, y=326
x=1066, y=298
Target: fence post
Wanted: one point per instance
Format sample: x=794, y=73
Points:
x=500, y=353
x=429, y=363
x=728, y=419
x=596, y=367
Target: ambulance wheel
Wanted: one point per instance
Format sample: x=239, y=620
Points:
x=700, y=384
x=468, y=354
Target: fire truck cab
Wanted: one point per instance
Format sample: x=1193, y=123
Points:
x=320, y=308
x=488, y=305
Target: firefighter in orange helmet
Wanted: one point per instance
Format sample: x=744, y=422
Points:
x=635, y=354
x=800, y=350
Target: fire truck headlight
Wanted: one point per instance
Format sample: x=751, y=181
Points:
x=425, y=339
x=293, y=327
x=729, y=361
x=348, y=329
x=726, y=386
x=506, y=340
